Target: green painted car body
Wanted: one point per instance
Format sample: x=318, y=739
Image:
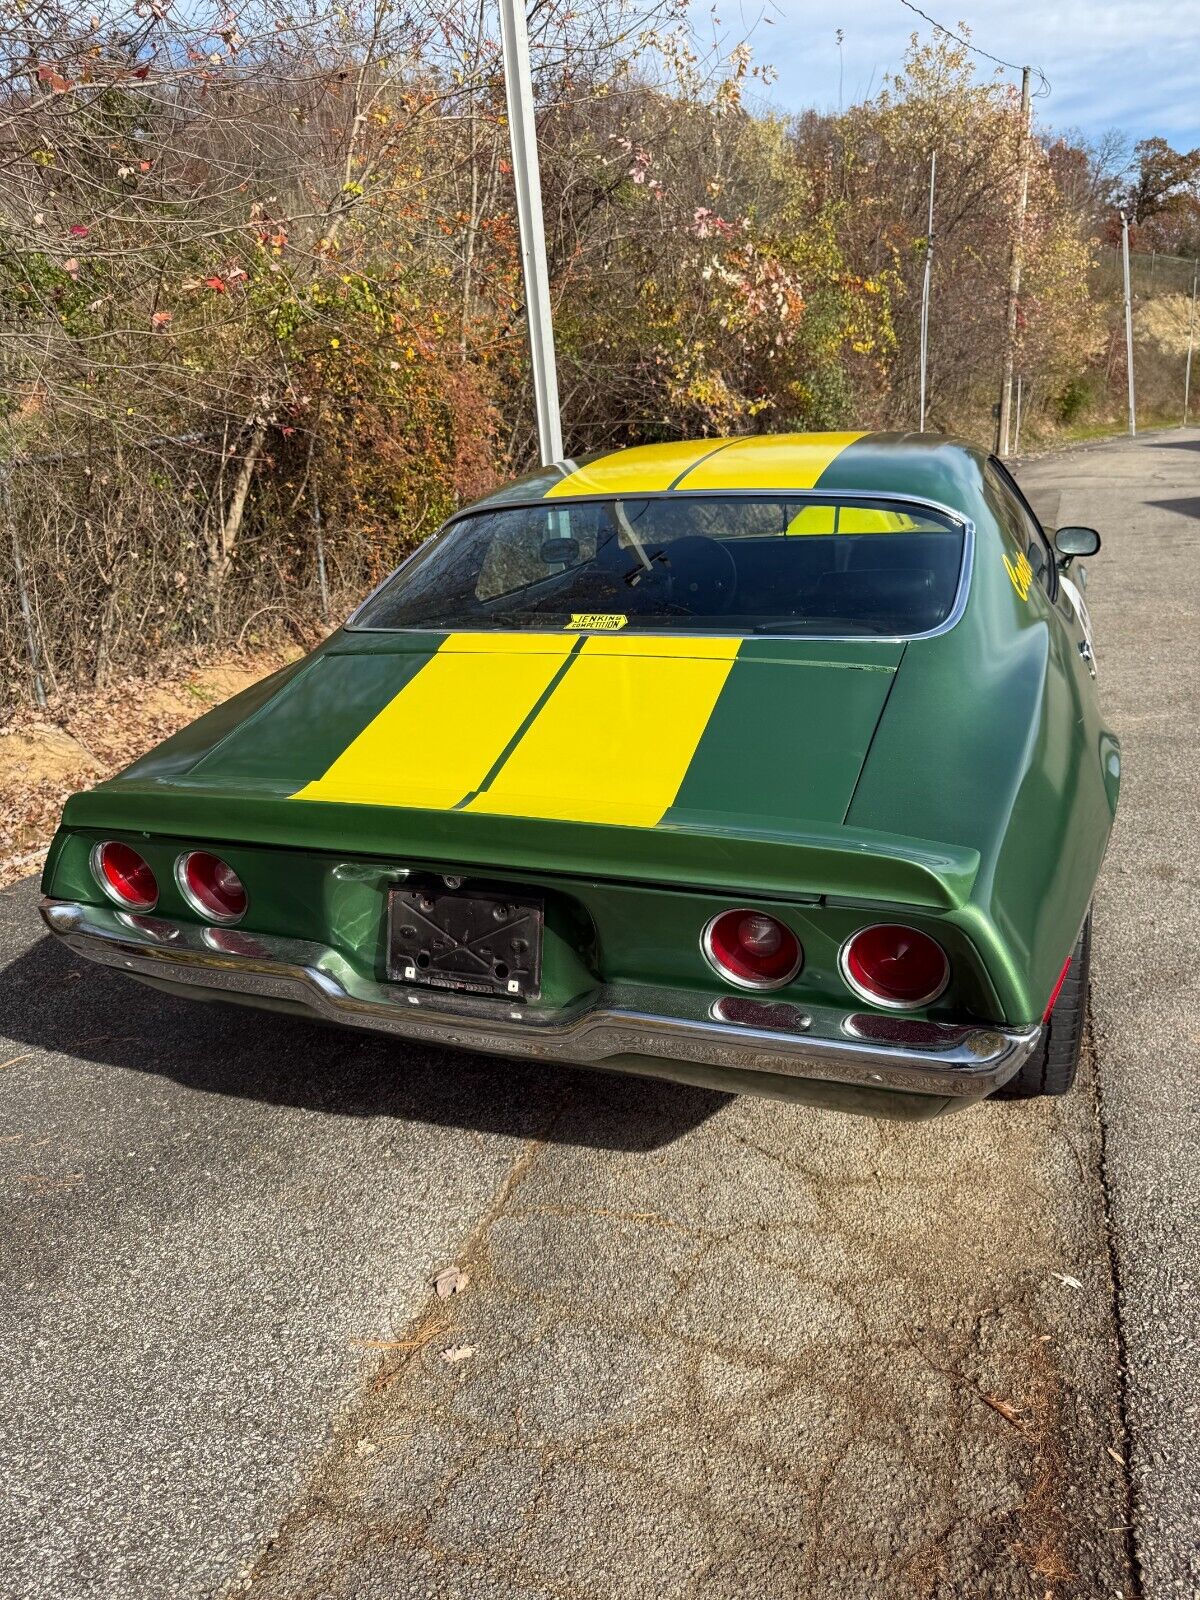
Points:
x=962, y=782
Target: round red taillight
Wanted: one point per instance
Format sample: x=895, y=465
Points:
x=752, y=949
x=124, y=876
x=211, y=886
x=894, y=966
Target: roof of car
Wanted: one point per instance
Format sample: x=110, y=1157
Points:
x=930, y=466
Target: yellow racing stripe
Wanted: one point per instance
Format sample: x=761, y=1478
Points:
x=778, y=461
x=644, y=469
x=613, y=742
x=818, y=518
x=438, y=739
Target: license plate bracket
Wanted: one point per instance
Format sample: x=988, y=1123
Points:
x=477, y=940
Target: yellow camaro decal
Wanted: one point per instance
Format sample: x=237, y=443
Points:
x=1021, y=574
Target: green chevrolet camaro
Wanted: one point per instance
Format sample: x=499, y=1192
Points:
x=770, y=764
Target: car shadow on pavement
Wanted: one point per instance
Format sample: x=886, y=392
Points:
x=1172, y=444
x=1185, y=506
x=54, y=1001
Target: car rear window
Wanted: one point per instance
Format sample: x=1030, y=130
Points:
x=688, y=563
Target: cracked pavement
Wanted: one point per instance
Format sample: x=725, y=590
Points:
x=717, y=1346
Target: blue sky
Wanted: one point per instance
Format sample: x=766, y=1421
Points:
x=1132, y=65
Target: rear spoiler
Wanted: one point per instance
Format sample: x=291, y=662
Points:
x=769, y=861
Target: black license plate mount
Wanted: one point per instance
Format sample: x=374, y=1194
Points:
x=483, y=940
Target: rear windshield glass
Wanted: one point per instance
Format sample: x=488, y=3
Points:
x=687, y=563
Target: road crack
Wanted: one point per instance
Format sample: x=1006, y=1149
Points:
x=1130, y=1519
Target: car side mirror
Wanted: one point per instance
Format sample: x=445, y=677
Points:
x=1072, y=542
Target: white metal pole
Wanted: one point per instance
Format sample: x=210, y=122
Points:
x=1128, y=324
x=1187, y=371
x=925, y=286
x=527, y=181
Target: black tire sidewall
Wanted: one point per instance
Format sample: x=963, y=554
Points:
x=1052, y=1068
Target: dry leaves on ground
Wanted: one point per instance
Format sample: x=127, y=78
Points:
x=450, y=1281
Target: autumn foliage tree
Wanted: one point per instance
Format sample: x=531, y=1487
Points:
x=261, y=309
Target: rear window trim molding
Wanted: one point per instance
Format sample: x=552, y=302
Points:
x=830, y=497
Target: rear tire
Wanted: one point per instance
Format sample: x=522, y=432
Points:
x=1052, y=1067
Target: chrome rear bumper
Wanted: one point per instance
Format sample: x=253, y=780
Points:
x=655, y=1028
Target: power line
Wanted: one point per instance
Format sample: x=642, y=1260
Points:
x=1012, y=66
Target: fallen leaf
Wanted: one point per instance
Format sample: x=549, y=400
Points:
x=79, y=231
x=1065, y=1277
x=450, y=1281
x=458, y=1352
x=216, y=283
x=1002, y=1407
x=160, y=320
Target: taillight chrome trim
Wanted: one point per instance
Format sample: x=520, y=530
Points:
x=722, y=972
x=95, y=861
x=194, y=901
x=868, y=995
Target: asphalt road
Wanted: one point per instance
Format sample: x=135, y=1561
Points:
x=708, y=1346
x=1145, y=497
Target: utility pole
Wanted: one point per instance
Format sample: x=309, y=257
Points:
x=1128, y=324
x=925, y=286
x=1014, y=274
x=527, y=181
x=1187, y=371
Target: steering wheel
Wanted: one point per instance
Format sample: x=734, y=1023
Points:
x=702, y=574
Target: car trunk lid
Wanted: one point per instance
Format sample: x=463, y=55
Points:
x=704, y=763
x=646, y=731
